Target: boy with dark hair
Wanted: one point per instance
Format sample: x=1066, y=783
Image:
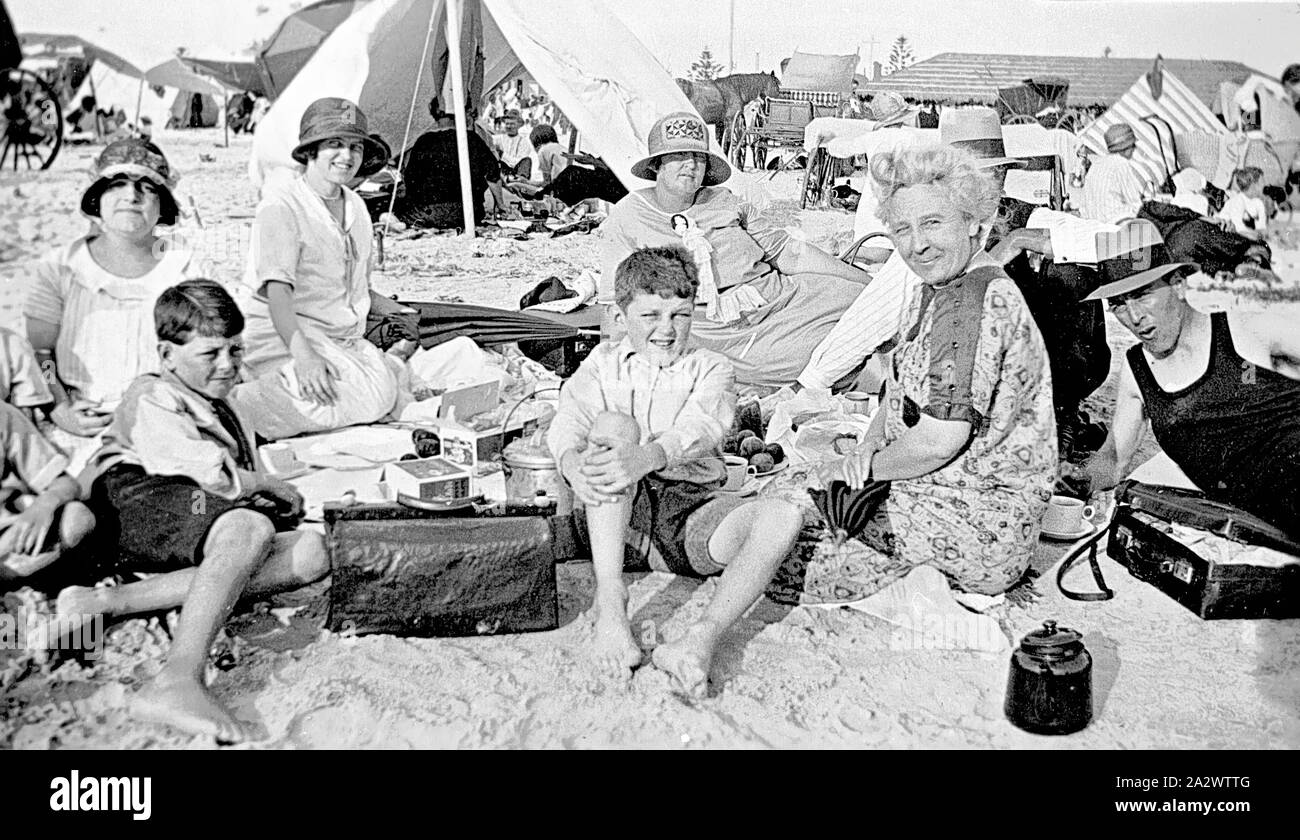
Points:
x=639, y=437
x=178, y=488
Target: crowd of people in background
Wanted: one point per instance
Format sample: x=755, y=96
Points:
x=161, y=382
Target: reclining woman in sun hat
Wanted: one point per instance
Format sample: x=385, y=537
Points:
x=764, y=301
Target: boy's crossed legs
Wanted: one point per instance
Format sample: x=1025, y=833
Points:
x=748, y=545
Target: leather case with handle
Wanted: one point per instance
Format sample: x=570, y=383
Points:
x=1143, y=541
x=412, y=572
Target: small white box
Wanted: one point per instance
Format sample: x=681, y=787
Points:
x=428, y=479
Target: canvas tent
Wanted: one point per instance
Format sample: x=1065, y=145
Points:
x=593, y=68
x=295, y=40
x=150, y=95
x=1176, y=107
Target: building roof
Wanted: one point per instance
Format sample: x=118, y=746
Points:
x=975, y=77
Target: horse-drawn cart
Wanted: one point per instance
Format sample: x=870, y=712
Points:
x=1043, y=101
x=812, y=86
x=31, y=118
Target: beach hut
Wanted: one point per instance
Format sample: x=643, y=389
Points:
x=393, y=56
x=1163, y=112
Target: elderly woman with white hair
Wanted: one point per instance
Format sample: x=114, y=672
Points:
x=965, y=435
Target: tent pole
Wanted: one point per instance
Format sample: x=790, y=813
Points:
x=458, y=101
x=139, y=95
x=225, y=116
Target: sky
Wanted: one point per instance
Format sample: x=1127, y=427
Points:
x=1263, y=35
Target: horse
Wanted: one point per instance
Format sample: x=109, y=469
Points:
x=719, y=100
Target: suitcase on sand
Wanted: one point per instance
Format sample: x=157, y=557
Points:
x=1210, y=570
x=408, y=572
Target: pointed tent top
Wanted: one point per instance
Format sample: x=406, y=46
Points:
x=52, y=45
x=177, y=74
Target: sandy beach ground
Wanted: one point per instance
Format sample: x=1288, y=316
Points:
x=800, y=677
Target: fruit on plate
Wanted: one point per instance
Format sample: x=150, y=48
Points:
x=762, y=462
x=745, y=433
x=775, y=450
x=750, y=446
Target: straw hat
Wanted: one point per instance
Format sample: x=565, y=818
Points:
x=979, y=131
x=332, y=118
x=139, y=160
x=681, y=132
x=889, y=108
x=1133, y=258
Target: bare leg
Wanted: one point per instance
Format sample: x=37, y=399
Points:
x=615, y=650
x=238, y=542
x=297, y=559
x=751, y=542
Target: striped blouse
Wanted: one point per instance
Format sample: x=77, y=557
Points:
x=106, y=335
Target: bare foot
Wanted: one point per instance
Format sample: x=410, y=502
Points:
x=614, y=649
x=187, y=705
x=687, y=659
x=79, y=600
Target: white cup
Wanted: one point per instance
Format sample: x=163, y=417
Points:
x=1066, y=515
x=279, y=457
x=859, y=402
x=738, y=472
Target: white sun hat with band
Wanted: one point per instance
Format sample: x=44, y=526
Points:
x=681, y=132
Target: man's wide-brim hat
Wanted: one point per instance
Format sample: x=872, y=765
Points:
x=979, y=131
x=1133, y=257
x=681, y=132
x=139, y=160
x=332, y=118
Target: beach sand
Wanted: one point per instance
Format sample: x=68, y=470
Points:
x=786, y=677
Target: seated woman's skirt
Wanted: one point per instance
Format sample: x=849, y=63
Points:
x=771, y=345
x=367, y=390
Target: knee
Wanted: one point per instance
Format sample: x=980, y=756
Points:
x=75, y=524
x=779, y=519
x=311, y=557
x=240, y=533
x=617, y=426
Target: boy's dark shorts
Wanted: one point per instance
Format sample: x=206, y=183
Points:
x=678, y=517
x=158, y=523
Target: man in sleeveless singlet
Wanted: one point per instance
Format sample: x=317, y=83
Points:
x=1222, y=391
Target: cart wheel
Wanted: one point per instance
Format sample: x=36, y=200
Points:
x=1073, y=122
x=739, y=138
x=31, y=120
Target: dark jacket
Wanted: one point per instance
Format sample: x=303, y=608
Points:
x=1192, y=239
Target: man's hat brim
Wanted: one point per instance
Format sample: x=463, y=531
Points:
x=1136, y=281
x=1008, y=162
x=717, y=171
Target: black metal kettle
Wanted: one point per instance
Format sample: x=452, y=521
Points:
x=1049, y=687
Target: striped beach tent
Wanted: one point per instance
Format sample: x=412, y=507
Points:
x=1158, y=119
